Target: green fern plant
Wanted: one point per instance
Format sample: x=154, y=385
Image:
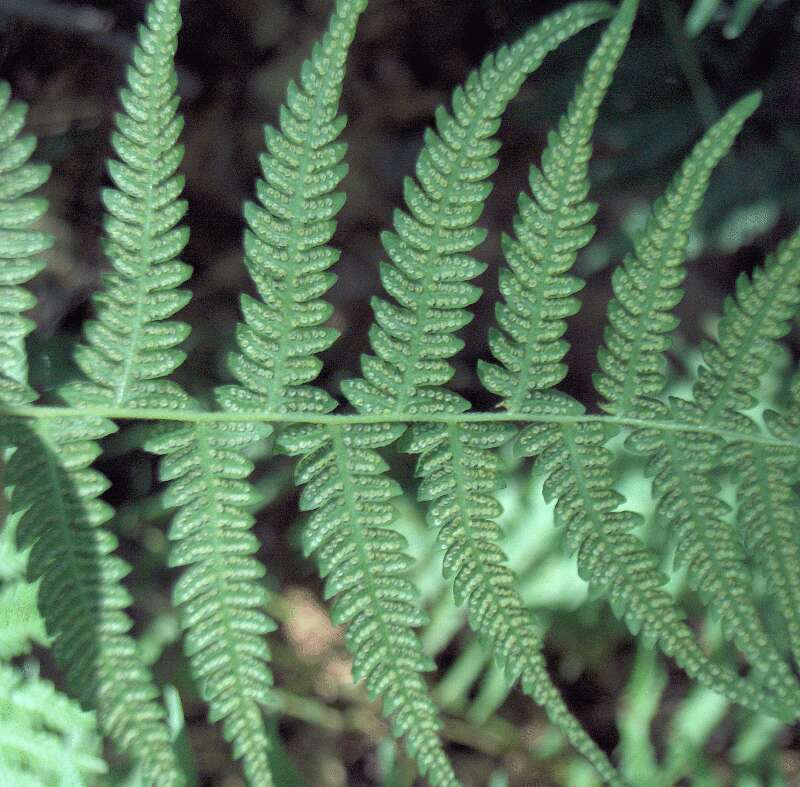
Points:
x=131, y=348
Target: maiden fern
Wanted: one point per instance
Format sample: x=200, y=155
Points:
x=131, y=348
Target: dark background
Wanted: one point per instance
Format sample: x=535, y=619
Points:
x=67, y=61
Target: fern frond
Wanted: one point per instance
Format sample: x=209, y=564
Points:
x=45, y=738
x=132, y=343
x=727, y=381
x=220, y=594
x=54, y=495
x=550, y=230
x=538, y=292
x=579, y=475
x=459, y=468
x=288, y=257
x=460, y=478
x=364, y=562
x=647, y=288
x=20, y=246
x=430, y=267
x=647, y=285
x=131, y=347
x=707, y=542
x=80, y=596
x=80, y=593
x=429, y=278
x=286, y=249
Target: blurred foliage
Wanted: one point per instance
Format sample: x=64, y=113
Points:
x=685, y=60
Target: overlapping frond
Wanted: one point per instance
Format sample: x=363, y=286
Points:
x=646, y=289
x=365, y=564
x=579, y=475
x=288, y=258
x=647, y=285
x=724, y=391
x=286, y=244
x=20, y=245
x=457, y=463
x=131, y=347
x=430, y=268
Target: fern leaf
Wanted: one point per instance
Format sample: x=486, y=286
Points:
x=132, y=343
x=80, y=593
x=707, y=542
x=365, y=562
x=429, y=250
x=459, y=468
x=19, y=244
x=286, y=249
x=287, y=256
x=54, y=495
x=538, y=293
x=727, y=380
x=460, y=477
x=221, y=595
x=131, y=347
x=550, y=230
x=579, y=474
x=647, y=286
x=428, y=277
x=80, y=596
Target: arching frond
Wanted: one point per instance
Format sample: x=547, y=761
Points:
x=551, y=228
x=647, y=286
x=286, y=243
x=430, y=267
x=457, y=464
